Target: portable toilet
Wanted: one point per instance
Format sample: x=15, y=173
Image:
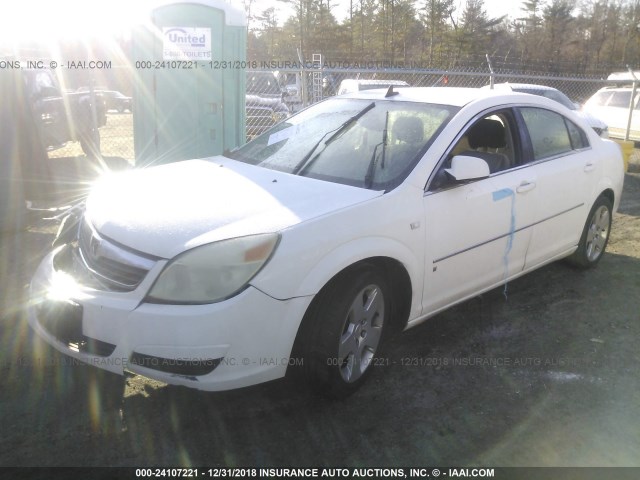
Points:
x=189, y=87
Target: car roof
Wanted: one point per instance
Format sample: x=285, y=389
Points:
x=454, y=96
x=522, y=86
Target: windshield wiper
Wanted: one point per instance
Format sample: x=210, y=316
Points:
x=307, y=160
x=368, y=178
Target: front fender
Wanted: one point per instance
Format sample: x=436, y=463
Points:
x=312, y=253
x=316, y=275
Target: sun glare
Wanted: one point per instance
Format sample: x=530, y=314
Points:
x=43, y=21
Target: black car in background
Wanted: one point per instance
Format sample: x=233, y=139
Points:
x=62, y=116
x=113, y=99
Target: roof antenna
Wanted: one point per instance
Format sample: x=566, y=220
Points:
x=390, y=92
x=491, y=72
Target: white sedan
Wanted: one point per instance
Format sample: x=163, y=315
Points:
x=303, y=250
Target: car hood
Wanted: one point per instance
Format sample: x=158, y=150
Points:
x=165, y=210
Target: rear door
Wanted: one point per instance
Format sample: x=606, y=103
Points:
x=566, y=168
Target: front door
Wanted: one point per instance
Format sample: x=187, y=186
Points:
x=478, y=233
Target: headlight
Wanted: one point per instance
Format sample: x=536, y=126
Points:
x=213, y=272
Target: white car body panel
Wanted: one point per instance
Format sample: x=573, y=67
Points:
x=397, y=234
x=473, y=233
x=616, y=119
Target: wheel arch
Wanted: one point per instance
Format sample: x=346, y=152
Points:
x=594, y=238
x=312, y=271
x=610, y=194
x=607, y=189
x=399, y=281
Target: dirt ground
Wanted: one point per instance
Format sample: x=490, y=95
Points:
x=547, y=376
x=116, y=139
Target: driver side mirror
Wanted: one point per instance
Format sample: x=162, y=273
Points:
x=465, y=167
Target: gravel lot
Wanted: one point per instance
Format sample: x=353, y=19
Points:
x=547, y=376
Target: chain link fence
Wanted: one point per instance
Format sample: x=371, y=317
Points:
x=578, y=88
x=306, y=86
x=274, y=95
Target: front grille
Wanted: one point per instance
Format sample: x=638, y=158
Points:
x=113, y=266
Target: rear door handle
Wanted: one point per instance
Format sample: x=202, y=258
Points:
x=589, y=167
x=525, y=186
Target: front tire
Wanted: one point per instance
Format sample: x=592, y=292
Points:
x=344, y=330
x=595, y=234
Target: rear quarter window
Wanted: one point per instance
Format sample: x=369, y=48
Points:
x=576, y=135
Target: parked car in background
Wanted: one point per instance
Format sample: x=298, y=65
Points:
x=612, y=105
x=264, y=103
x=117, y=101
x=305, y=249
x=114, y=100
x=62, y=116
x=594, y=122
x=351, y=85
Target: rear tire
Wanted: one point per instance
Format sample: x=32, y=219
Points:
x=595, y=235
x=344, y=330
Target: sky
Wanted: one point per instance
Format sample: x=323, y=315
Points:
x=53, y=20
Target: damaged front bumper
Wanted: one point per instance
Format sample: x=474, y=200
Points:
x=241, y=341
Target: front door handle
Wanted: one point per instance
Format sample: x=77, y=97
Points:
x=525, y=186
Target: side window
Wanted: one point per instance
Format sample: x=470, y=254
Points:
x=548, y=132
x=490, y=138
x=577, y=136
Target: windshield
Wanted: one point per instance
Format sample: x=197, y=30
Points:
x=365, y=143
